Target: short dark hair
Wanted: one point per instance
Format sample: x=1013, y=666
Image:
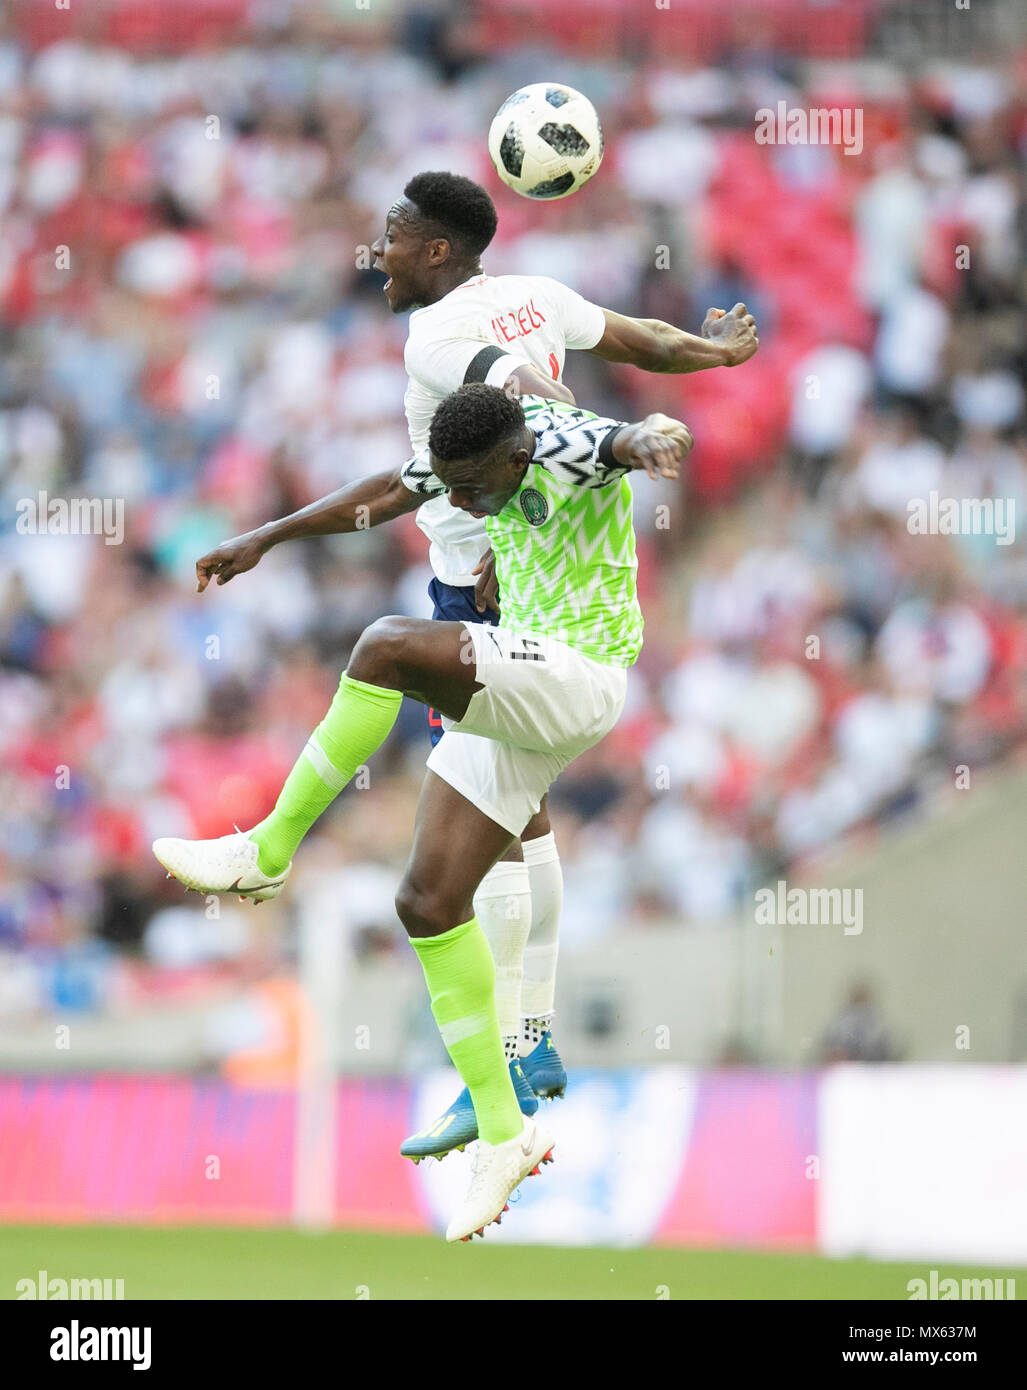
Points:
x=459, y=207
x=473, y=421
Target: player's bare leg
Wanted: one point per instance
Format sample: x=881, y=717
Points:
x=454, y=846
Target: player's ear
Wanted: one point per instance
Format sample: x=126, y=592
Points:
x=438, y=250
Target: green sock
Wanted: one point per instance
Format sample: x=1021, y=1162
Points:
x=358, y=721
x=460, y=976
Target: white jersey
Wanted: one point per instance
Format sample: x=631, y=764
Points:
x=482, y=331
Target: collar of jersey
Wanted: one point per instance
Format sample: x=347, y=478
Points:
x=466, y=284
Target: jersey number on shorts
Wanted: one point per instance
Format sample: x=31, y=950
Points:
x=530, y=650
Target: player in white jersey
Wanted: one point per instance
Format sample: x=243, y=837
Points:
x=511, y=331
x=542, y=319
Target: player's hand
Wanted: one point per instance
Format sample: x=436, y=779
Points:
x=486, y=591
x=229, y=559
x=734, y=332
x=658, y=444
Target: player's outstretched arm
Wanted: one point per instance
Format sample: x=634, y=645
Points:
x=659, y=444
x=726, y=340
x=367, y=502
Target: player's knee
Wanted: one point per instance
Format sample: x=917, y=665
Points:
x=425, y=911
x=378, y=655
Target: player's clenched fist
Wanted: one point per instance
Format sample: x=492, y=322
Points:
x=658, y=444
x=229, y=559
x=734, y=332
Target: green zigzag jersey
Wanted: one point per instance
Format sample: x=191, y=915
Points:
x=564, y=543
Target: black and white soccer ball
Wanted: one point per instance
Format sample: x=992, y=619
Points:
x=546, y=140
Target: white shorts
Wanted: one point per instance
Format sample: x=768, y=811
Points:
x=542, y=704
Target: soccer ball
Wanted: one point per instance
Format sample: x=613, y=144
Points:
x=546, y=141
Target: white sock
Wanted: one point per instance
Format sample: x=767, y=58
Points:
x=502, y=906
x=539, y=987
x=533, y=1030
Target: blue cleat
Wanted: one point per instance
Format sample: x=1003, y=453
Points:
x=544, y=1069
x=458, y=1126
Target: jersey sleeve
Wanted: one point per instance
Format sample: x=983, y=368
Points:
x=416, y=474
x=575, y=446
x=444, y=365
x=582, y=322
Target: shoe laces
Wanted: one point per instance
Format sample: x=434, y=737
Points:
x=243, y=835
x=479, y=1167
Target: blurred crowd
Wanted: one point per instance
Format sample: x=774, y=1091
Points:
x=190, y=325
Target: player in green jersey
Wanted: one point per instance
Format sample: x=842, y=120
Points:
x=519, y=702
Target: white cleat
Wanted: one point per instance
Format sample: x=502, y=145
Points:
x=498, y=1168
x=226, y=865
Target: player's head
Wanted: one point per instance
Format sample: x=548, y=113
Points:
x=480, y=448
x=434, y=236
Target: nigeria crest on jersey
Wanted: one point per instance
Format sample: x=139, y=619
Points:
x=533, y=505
